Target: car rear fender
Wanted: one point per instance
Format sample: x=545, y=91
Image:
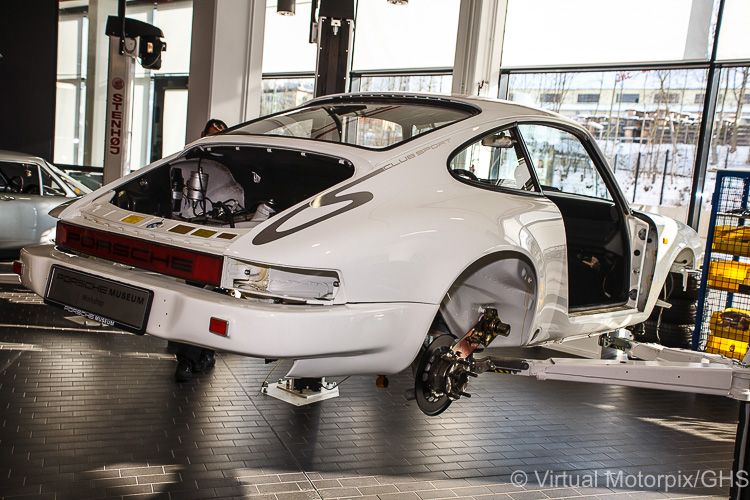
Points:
x=507, y=281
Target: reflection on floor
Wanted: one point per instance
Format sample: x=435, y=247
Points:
x=95, y=413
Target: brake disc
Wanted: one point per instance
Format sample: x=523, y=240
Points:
x=429, y=380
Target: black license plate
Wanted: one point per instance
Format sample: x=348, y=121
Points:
x=99, y=299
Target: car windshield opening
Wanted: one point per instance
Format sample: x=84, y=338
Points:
x=372, y=124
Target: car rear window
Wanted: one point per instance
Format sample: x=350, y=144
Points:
x=368, y=123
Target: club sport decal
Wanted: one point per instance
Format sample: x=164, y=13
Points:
x=272, y=233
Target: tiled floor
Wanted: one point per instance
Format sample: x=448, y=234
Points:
x=95, y=413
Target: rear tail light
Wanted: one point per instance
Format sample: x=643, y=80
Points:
x=18, y=267
x=178, y=262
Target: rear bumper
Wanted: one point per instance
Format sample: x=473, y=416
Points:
x=324, y=340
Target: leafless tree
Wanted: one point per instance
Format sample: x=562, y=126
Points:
x=559, y=83
x=675, y=129
x=719, y=124
x=738, y=115
x=620, y=78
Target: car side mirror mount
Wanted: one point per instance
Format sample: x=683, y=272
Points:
x=501, y=141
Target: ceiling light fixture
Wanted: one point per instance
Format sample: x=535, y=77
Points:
x=398, y=2
x=285, y=7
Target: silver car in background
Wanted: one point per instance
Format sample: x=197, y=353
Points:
x=29, y=188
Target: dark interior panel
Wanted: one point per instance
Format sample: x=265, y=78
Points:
x=272, y=177
x=597, y=250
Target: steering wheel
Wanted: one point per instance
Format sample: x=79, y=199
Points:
x=462, y=172
x=15, y=184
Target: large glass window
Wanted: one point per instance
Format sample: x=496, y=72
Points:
x=174, y=18
x=734, y=39
x=71, y=87
x=158, y=119
x=426, y=84
x=596, y=32
x=646, y=123
x=286, y=41
x=280, y=94
x=176, y=22
x=175, y=116
x=730, y=139
x=420, y=34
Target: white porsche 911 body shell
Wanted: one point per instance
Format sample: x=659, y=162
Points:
x=406, y=240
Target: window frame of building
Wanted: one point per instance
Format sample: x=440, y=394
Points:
x=629, y=98
x=588, y=98
x=666, y=98
x=76, y=82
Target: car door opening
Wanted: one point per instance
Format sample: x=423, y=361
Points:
x=597, y=267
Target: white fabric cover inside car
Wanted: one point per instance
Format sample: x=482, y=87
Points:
x=221, y=185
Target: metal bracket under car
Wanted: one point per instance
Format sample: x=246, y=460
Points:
x=301, y=392
x=447, y=365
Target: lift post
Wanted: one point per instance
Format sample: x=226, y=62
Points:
x=739, y=490
x=334, y=30
x=119, y=97
x=128, y=39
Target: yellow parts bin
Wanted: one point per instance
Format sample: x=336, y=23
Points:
x=730, y=333
x=728, y=275
x=733, y=240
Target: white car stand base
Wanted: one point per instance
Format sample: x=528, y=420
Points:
x=294, y=392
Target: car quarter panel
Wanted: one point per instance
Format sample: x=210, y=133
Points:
x=418, y=231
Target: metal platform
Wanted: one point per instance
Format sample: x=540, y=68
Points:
x=284, y=390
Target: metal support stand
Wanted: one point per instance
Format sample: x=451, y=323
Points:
x=740, y=489
x=300, y=392
x=333, y=33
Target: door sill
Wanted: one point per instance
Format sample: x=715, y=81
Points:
x=590, y=310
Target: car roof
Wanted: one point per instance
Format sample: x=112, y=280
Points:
x=16, y=156
x=481, y=110
x=500, y=108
